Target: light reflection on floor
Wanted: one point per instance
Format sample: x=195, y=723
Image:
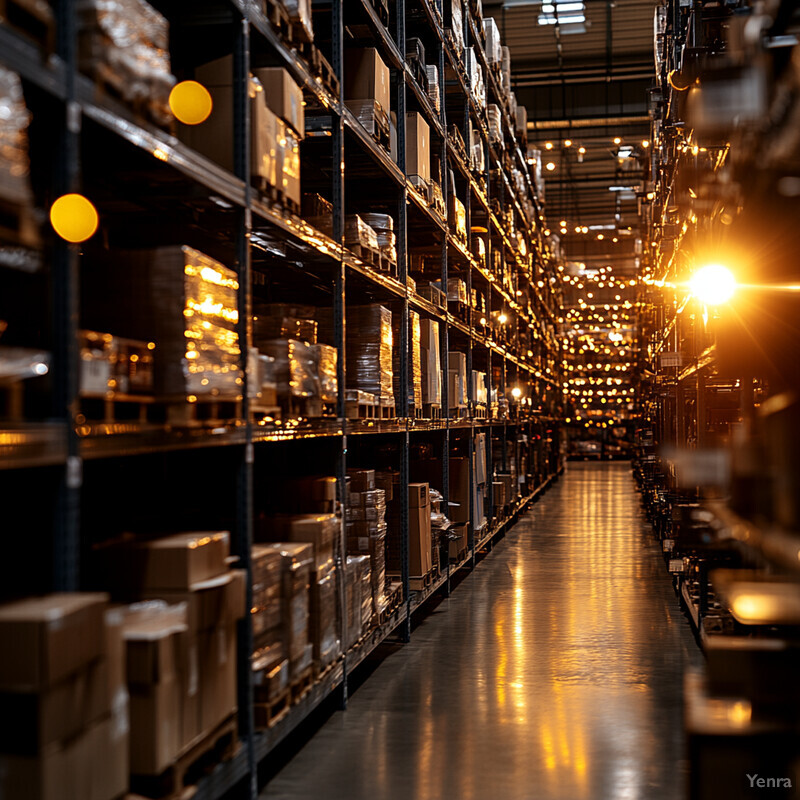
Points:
x=554, y=671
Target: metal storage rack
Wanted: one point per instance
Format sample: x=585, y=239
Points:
x=54, y=454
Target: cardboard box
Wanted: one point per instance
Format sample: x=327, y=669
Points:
x=155, y=717
x=459, y=490
x=461, y=540
x=499, y=493
x=320, y=530
x=283, y=96
x=217, y=659
x=431, y=363
x=419, y=545
x=46, y=639
x=361, y=480
x=418, y=495
x=418, y=154
x=366, y=77
x=90, y=766
x=288, y=150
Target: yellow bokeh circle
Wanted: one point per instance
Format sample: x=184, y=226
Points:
x=74, y=218
x=190, y=102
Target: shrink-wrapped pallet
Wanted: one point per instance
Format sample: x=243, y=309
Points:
x=295, y=367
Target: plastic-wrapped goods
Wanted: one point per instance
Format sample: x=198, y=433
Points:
x=479, y=387
x=458, y=218
x=505, y=56
x=456, y=25
x=369, y=113
x=521, y=122
x=456, y=290
x=495, y=124
x=431, y=364
x=434, y=95
x=375, y=546
x=477, y=158
x=300, y=15
x=457, y=369
x=295, y=367
x=369, y=349
x=324, y=615
x=475, y=75
x=113, y=364
x=327, y=359
x=383, y=225
x=479, y=249
x=494, y=50
x=296, y=563
x=14, y=120
x=315, y=205
x=285, y=321
x=288, y=157
x=125, y=43
x=358, y=583
x=267, y=609
x=415, y=390
x=358, y=232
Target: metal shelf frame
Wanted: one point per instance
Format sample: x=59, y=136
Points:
x=66, y=445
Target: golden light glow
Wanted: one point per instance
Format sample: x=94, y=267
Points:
x=713, y=284
x=550, y=166
x=516, y=392
x=74, y=218
x=567, y=142
x=548, y=145
x=617, y=140
x=190, y=102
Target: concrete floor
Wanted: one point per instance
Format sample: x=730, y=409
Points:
x=553, y=671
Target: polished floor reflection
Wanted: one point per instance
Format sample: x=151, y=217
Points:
x=553, y=671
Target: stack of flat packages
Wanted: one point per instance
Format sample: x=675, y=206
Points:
x=369, y=348
x=414, y=334
x=270, y=664
x=457, y=379
x=125, y=44
x=431, y=363
x=65, y=727
x=358, y=588
x=366, y=530
x=383, y=225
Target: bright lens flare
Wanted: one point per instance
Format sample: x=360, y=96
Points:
x=516, y=393
x=713, y=285
x=190, y=102
x=74, y=218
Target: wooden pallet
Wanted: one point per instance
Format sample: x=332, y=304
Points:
x=269, y=714
x=319, y=65
x=273, y=197
x=278, y=17
x=386, y=409
x=178, y=781
x=419, y=584
x=297, y=407
x=201, y=411
x=112, y=407
x=302, y=685
x=431, y=411
x=354, y=410
x=32, y=19
x=479, y=412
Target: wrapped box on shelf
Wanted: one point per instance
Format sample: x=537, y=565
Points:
x=288, y=150
x=458, y=218
x=358, y=584
x=419, y=542
x=125, y=44
x=415, y=364
x=457, y=373
x=15, y=185
x=361, y=480
x=434, y=93
x=180, y=299
x=383, y=225
x=477, y=156
x=431, y=363
x=283, y=96
x=371, y=116
x=366, y=77
x=475, y=76
x=479, y=387
x=418, y=157
x=458, y=539
x=300, y=15
x=373, y=545
x=415, y=50
x=432, y=293
x=358, y=232
x=327, y=359
x=267, y=610
x=324, y=613
x=521, y=123
x=369, y=347
x=479, y=249
x=295, y=367
x=111, y=364
x=455, y=24
x=456, y=291
x=494, y=50
x=495, y=124
x=280, y=323
x=315, y=205
x=505, y=61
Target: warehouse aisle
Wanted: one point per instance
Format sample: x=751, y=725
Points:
x=553, y=671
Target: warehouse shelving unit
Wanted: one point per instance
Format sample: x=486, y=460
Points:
x=147, y=172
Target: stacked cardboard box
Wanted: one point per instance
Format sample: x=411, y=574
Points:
x=358, y=589
x=269, y=663
x=64, y=699
x=479, y=394
x=191, y=690
x=366, y=529
x=414, y=335
x=457, y=379
x=418, y=154
x=367, y=88
x=494, y=50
